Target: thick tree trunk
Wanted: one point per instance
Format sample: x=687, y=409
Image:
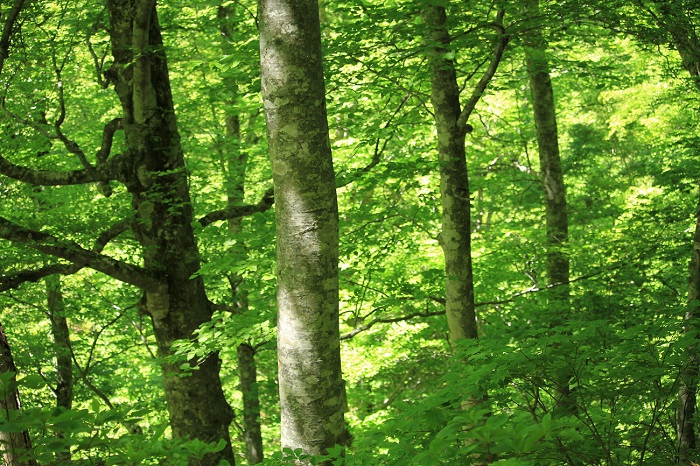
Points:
x=308, y=343
x=12, y=444
x=156, y=178
x=455, y=237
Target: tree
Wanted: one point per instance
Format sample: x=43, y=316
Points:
x=451, y=121
x=151, y=167
x=12, y=444
x=311, y=387
x=557, y=219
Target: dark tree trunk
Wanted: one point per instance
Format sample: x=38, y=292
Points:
x=247, y=372
x=308, y=342
x=62, y=347
x=12, y=444
x=673, y=19
x=550, y=166
x=154, y=173
x=237, y=161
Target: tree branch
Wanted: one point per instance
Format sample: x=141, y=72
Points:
x=389, y=320
x=229, y=213
x=439, y=300
x=15, y=280
x=488, y=74
x=79, y=256
x=7, y=31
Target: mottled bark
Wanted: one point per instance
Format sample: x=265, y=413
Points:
x=12, y=444
x=310, y=381
x=452, y=128
x=156, y=178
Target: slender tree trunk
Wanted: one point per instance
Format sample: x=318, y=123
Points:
x=550, y=166
x=308, y=341
x=455, y=237
x=673, y=19
x=247, y=373
x=61, y=339
x=557, y=219
x=237, y=162
x=452, y=127
x=12, y=444
x=154, y=173
x=62, y=347
x=687, y=393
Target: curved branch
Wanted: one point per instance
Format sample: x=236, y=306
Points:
x=229, y=213
x=488, y=74
x=7, y=31
x=79, y=256
x=15, y=280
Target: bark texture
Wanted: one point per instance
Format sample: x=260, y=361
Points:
x=452, y=128
x=12, y=444
x=455, y=237
x=310, y=381
x=155, y=175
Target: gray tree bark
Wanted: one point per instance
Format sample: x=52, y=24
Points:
x=308, y=344
x=452, y=128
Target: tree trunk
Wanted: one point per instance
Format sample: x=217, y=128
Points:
x=155, y=176
x=12, y=444
x=247, y=373
x=61, y=340
x=557, y=220
x=673, y=19
x=308, y=342
x=62, y=347
x=236, y=166
x=452, y=127
x=550, y=166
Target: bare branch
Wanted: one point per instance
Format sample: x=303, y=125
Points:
x=79, y=256
x=240, y=211
x=389, y=320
